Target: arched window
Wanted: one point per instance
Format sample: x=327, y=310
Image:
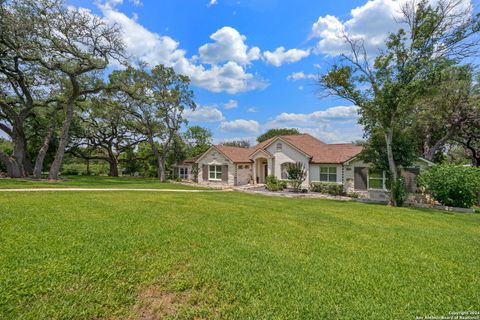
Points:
x=284, y=169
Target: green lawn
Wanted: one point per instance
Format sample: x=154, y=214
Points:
x=141, y=255
x=92, y=182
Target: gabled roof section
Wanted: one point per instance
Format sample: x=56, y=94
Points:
x=236, y=154
x=319, y=151
x=265, y=152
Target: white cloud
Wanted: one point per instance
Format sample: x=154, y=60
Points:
x=152, y=48
x=230, y=77
x=252, y=110
x=137, y=3
x=338, y=114
x=280, y=56
x=333, y=135
x=231, y=104
x=212, y=3
x=333, y=125
x=301, y=75
x=204, y=114
x=229, y=45
x=371, y=22
x=241, y=126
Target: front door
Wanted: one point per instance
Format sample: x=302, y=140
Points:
x=265, y=171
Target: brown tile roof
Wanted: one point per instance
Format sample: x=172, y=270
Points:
x=317, y=150
x=321, y=152
x=335, y=153
x=236, y=154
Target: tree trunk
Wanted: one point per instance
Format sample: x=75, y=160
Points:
x=430, y=152
x=13, y=168
x=64, y=135
x=476, y=162
x=37, y=171
x=391, y=161
x=162, y=169
x=57, y=162
x=18, y=159
x=113, y=162
x=113, y=168
x=158, y=157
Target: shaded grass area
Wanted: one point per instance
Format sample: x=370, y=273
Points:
x=93, y=182
x=231, y=256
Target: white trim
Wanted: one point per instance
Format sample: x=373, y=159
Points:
x=290, y=144
x=215, y=172
x=350, y=160
x=266, y=153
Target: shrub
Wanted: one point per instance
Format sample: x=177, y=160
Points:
x=353, y=195
x=283, y=184
x=399, y=191
x=273, y=184
x=455, y=186
x=297, y=175
x=332, y=188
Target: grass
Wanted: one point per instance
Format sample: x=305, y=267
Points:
x=92, y=182
x=128, y=255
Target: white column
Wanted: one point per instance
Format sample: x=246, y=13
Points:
x=270, y=167
x=254, y=172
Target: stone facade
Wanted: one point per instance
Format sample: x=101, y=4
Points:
x=214, y=157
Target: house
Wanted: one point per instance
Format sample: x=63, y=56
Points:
x=336, y=163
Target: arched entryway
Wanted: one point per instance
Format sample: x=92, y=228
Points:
x=261, y=170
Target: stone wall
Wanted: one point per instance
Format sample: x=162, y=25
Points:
x=214, y=157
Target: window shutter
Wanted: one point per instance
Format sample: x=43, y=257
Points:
x=360, y=178
x=409, y=174
x=205, y=172
x=225, y=173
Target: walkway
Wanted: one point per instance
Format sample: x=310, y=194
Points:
x=108, y=189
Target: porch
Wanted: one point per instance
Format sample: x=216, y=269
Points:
x=262, y=166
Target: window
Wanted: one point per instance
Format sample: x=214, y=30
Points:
x=284, y=169
x=247, y=166
x=240, y=167
x=279, y=146
x=376, y=179
x=328, y=174
x=183, y=173
x=215, y=173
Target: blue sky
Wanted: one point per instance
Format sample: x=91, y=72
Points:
x=253, y=62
